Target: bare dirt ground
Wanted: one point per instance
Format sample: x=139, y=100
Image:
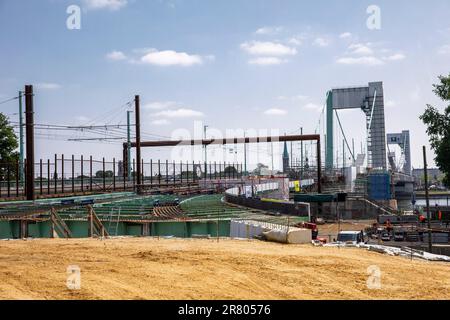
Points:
x=146, y=268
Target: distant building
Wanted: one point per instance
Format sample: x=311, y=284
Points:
x=435, y=176
x=285, y=159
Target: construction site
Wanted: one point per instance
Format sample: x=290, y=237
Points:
x=330, y=216
x=234, y=150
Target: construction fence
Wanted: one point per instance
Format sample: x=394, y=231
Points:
x=62, y=175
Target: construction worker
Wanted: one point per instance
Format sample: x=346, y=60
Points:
x=422, y=218
x=388, y=225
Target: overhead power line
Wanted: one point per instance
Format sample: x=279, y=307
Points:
x=8, y=100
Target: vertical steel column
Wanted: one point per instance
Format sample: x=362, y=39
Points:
x=29, y=118
x=48, y=176
x=427, y=199
x=167, y=172
x=181, y=172
x=301, y=155
x=151, y=173
x=21, y=142
x=8, y=177
x=62, y=173
x=90, y=173
x=319, y=168
x=104, y=174
x=55, y=176
x=124, y=166
x=215, y=170
x=127, y=152
x=134, y=174
x=138, y=141
x=210, y=171
x=159, y=173
x=329, y=143
x=73, y=173
x=40, y=176
x=174, y=174
x=82, y=173
x=114, y=174
x=17, y=177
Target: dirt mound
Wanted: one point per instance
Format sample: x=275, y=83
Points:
x=146, y=268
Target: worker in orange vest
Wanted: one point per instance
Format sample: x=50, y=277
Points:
x=422, y=218
x=388, y=225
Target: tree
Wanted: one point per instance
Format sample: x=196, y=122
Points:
x=438, y=128
x=8, y=145
x=108, y=174
x=259, y=168
x=8, y=141
x=230, y=171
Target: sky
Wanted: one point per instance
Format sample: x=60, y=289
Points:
x=255, y=66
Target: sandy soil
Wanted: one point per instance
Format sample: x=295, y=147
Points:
x=143, y=268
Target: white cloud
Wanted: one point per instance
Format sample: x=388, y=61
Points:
x=396, y=57
x=295, y=41
x=269, y=30
x=445, y=49
x=159, y=105
x=171, y=58
x=116, y=56
x=112, y=5
x=367, y=60
x=266, y=61
x=160, y=122
x=369, y=54
x=321, y=42
x=259, y=48
x=345, y=35
x=275, y=112
x=48, y=86
x=179, y=113
x=360, y=49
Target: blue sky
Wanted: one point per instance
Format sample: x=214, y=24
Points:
x=230, y=64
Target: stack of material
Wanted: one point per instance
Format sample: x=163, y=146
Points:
x=291, y=235
x=395, y=251
x=250, y=229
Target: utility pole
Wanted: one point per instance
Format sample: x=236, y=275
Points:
x=245, y=154
x=301, y=154
x=206, y=155
x=21, y=157
x=129, y=145
x=29, y=118
x=425, y=171
x=138, y=142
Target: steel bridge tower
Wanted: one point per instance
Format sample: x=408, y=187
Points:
x=370, y=100
x=403, y=141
